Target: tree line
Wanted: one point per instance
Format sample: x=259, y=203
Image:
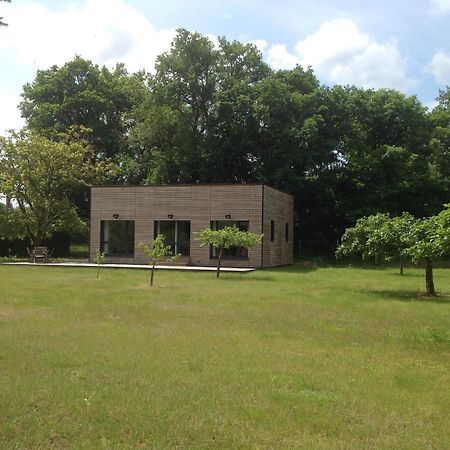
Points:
x=218, y=113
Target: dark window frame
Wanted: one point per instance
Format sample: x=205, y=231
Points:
x=175, y=245
x=109, y=246
x=286, y=232
x=272, y=231
x=231, y=252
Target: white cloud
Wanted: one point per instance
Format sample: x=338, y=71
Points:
x=440, y=6
x=104, y=32
x=340, y=52
x=279, y=57
x=110, y=32
x=260, y=44
x=9, y=114
x=214, y=40
x=335, y=41
x=440, y=67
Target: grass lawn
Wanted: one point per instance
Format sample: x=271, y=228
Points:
x=330, y=358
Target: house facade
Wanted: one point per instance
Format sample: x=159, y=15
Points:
x=124, y=216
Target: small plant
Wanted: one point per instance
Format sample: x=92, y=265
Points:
x=156, y=252
x=228, y=237
x=99, y=259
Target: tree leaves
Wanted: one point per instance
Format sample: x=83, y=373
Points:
x=386, y=238
x=39, y=176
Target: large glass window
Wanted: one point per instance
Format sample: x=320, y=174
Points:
x=117, y=237
x=177, y=234
x=232, y=252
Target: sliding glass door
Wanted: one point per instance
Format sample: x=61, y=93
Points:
x=177, y=234
x=117, y=238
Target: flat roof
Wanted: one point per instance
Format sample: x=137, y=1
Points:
x=185, y=185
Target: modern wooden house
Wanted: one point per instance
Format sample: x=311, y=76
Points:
x=122, y=217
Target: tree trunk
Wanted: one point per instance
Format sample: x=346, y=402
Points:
x=38, y=240
x=218, y=262
x=429, y=277
x=153, y=272
x=401, y=265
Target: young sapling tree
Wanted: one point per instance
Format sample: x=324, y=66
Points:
x=227, y=237
x=156, y=251
x=99, y=260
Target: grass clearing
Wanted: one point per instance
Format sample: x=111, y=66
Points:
x=285, y=358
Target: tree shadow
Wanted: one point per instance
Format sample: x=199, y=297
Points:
x=300, y=267
x=411, y=296
x=245, y=277
x=407, y=274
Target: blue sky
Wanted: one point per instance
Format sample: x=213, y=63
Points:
x=396, y=44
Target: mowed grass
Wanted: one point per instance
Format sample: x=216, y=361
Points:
x=288, y=358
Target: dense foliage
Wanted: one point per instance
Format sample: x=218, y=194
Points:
x=81, y=94
x=385, y=238
x=38, y=176
x=378, y=236
x=228, y=237
x=216, y=112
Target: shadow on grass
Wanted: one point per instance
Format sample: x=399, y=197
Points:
x=374, y=267
x=255, y=276
x=301, y=267
x=407, y=274
x=411, y=296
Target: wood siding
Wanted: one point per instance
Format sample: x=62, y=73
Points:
x=279, y=208
x=198, y=204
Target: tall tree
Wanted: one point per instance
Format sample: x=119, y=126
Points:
x=440, y=144
x=185, y=82
x=383, y=162
x=385, y=146
x=231, y=144
x=81, y=93
x=288, y=114
x=297, y=148
x=39, y=175
x=197, y=124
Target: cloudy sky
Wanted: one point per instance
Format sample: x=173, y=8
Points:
x=401, y=44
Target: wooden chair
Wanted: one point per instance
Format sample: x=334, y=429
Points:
x=39, y=254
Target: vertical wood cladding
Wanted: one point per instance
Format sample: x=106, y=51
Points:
x=199, y=204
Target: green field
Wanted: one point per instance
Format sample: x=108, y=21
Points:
x=316, y=358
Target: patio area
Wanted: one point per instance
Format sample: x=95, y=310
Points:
x=133, y=266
